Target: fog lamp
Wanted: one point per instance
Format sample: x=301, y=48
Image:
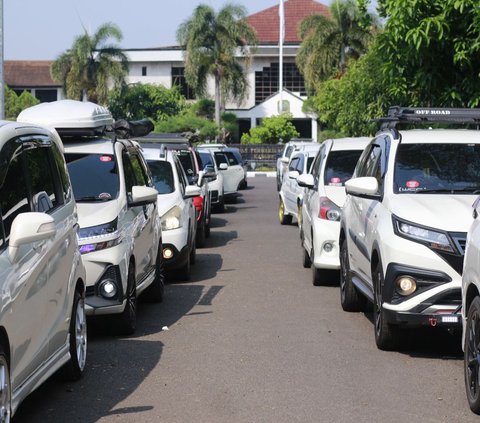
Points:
x=327, y=247
x=167, y=253
x=405, y=285
x=107, y=289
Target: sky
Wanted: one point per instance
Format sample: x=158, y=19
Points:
x=43, y=29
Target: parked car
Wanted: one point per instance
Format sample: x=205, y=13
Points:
x=42, y=277
x=120, y=234
x=291, y=194
x=294, y=145
x=175, y=207
x=322, y=204
x=215, y=184
x=405, y=221
x=235, y=159
x=233, y=174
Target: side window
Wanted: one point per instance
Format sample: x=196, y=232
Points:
x=293, y=163
x=62, y=170
x=317, y=164
x=135, y=171
x=301, y=161
x=129, y=173
x=371, y=164
x=181, y=176
x=220, y=158
x=232, y=160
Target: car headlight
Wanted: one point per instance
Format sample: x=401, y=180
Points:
x=433, y=238
x=172, y=219
x=96, y=231
x=98, y=237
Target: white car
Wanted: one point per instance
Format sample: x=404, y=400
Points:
x=292, y=146
x=291, y=194
x=405, y=221
x=215, y=185
x=175, y=207
x=120, y=233
x=42, y=278
x=323, y=201
x=233, y=174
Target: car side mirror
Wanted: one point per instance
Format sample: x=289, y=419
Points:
x=285, y=160
x=223, y=166
x=142, y=195
x=306, y=180
x=27, y=228
x=366, y=186
x=192, y=191
x=293, y=174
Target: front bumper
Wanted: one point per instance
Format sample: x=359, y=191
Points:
x=326, y=233
x=452, y=320
x=177, y=259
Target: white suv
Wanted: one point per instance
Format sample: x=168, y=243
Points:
x=175, y=207
x=322, y=204
x=42, y=278
x=291, y=193
x=404, y=224
x=120, y=234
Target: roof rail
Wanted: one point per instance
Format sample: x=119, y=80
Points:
x=424, y=115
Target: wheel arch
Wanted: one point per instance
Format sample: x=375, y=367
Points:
x=472, y=292
x=5, y=342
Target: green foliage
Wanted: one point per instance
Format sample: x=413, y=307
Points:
x=191, y=124
x=138, y=101
x=211, y=42
x=272, y=130
x=14, y=103
x=431, y=51
x=88, y=68
x=204, y=108
x=348, y=105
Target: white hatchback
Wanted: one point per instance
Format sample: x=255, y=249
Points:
x=175, y=207
x=322, y=203
x=42, y=278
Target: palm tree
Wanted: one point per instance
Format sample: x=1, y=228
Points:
x=211, y=41
x=91, y=64
x=328, y=42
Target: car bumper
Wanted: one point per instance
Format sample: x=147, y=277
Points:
x=451, y=320
x=174, y=258
x=325, y=244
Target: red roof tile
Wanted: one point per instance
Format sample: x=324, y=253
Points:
x=267, y=21
x=28, y=73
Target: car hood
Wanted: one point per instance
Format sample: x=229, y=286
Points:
x=93, y=214
x=446, y=212
x=336, y=194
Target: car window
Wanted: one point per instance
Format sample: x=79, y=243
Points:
x=289, y=151
x=309, y=163
x=293, y=163
x=182, y=178
x=188, y=165
x=220, y=158
x=206, y=159
x=162, y=175
x=141, y=177
x=437, y=167
x=232, y=160
x=63, y=172
x=317, y=164
x=94, y=176
x=301, y=161
x=339, y=166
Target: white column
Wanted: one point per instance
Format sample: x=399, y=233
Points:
x=314, y=130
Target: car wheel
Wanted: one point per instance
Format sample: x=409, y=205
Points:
x=350, y=298
x=155, y=292
x=200, y=237
x=183, y=274
x=472, y=356
x=306, y=259
x=193, y=254
x=5, y=389
x=128, y=318
x=220, y=207
x=299, y=216
x=285, y=219
x=78, y=339
x=386, y=335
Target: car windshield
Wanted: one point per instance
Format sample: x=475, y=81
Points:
x=437, y=168
x=340, y=166
x=94, y=176
x=162, y=175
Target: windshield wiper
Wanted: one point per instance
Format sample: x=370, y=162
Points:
x=92, y=198
x=473, y=190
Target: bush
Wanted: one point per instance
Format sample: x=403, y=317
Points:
x=272, y=130
x=14, y=103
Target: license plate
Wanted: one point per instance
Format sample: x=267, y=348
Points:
x=449, y=319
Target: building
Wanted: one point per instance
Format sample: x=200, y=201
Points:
x=32, y=76
x=165, y=65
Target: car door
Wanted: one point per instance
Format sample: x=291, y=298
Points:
x=236, y=168
x=144, y=227
x=362, y=212
x=289, y=186
x=229, y=180
x=188, y=211
x=24, y=283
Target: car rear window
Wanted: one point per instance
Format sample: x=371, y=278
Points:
x=162, y=175
x=206, y=159
x=340, y=166
x=94, y=176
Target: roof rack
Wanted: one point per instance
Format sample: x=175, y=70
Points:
x=132, y=128
x=423, y=115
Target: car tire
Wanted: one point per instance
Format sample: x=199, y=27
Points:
x=285, y=219
x=5, y=388
x=306, y=259
x=184, y=273
x=299, y=217
x=472, y=356
x=156, y=291
x=200, y=237
x=386, y=334
x=193, y=254
x=220, y=207
x=350, y=298
x=74, y=368
x=127, y=322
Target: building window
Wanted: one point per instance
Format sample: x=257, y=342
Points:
x=46, y=95
x=178, y=78
x=144, y=71
x=267, y=81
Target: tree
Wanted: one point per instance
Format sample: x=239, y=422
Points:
x=327, y=43
x=431, y=50
x=91, y=64
x=272, y=130
x=14, y=103
x=138, y=101
x=211, y=42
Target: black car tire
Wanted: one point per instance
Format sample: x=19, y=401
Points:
x=350, y=298
x=156, y=291
x=5, y=388
x=471, y=363
x=285, y=219
x=127, y=322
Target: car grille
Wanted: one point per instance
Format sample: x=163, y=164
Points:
x=460, y=240
x=452, y=297
x=214, y=196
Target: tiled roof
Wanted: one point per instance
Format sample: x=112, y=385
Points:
x=28, y=73
x=267, y=21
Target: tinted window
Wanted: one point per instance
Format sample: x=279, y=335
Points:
x=220, y=158
x=94, y=176
x=188, y=165
x=437, y=167
x=206, y=159
x=309, y=163
x=141, y=177
x=162, y=175
x=293, y=163
x=63, y=172
x=340, y=166
x=232, y=160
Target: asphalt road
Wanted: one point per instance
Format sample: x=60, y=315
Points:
x=251, y=339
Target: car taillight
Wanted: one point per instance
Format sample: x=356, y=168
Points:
x=198, y=203
x=329, y=210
